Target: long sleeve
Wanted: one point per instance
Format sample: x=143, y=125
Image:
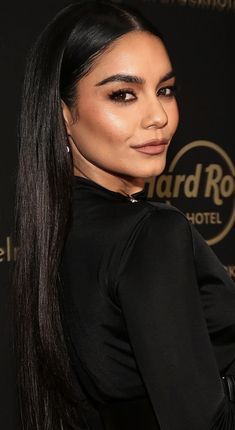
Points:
x=218, y=299
x=158, y=291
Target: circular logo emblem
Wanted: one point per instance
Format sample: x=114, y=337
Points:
x=201, y=181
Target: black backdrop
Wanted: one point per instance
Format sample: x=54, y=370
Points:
x=199, y=177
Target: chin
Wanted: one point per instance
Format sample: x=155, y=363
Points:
x=147, y=171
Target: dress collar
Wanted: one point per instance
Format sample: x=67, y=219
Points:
x=87, y=184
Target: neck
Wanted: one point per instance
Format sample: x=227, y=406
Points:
x=122, y=184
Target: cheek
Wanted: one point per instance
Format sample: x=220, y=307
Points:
x=109, y=123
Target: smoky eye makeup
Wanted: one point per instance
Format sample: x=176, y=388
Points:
x=123, y=95
x=128, y=95
x=168, y=91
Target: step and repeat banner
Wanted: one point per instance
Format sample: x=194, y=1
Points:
x=200, y=172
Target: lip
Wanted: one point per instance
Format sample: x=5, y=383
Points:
x=152, y=147
x=154, y=142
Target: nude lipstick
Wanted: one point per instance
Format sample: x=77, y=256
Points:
x=152, y=147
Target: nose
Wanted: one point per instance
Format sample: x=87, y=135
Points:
x=154, y=114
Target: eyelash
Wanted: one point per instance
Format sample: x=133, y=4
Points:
x=116, y=96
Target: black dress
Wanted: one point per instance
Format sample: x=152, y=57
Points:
x=149, y=313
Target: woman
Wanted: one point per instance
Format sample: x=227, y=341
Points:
x=124, y=316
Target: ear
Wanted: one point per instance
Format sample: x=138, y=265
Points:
x=67, y=116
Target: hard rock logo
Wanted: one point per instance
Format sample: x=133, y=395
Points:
x=200, y=181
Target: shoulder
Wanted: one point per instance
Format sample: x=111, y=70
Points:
x=164, y=228
x=166, y=233
x=151, y=221
x=166, y=219
x=162, y=245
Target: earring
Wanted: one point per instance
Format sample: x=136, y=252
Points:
x=68, y=150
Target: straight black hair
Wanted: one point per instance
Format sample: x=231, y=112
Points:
x=63, y=53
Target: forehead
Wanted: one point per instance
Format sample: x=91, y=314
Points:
x=137, y=52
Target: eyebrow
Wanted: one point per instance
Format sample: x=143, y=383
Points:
x=132, y=79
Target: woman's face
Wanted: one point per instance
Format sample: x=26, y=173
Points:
x=126, y=100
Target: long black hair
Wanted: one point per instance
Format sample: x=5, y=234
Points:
x=64, y=52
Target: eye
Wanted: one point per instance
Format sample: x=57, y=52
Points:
x=169, y=91
x=123, y=96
